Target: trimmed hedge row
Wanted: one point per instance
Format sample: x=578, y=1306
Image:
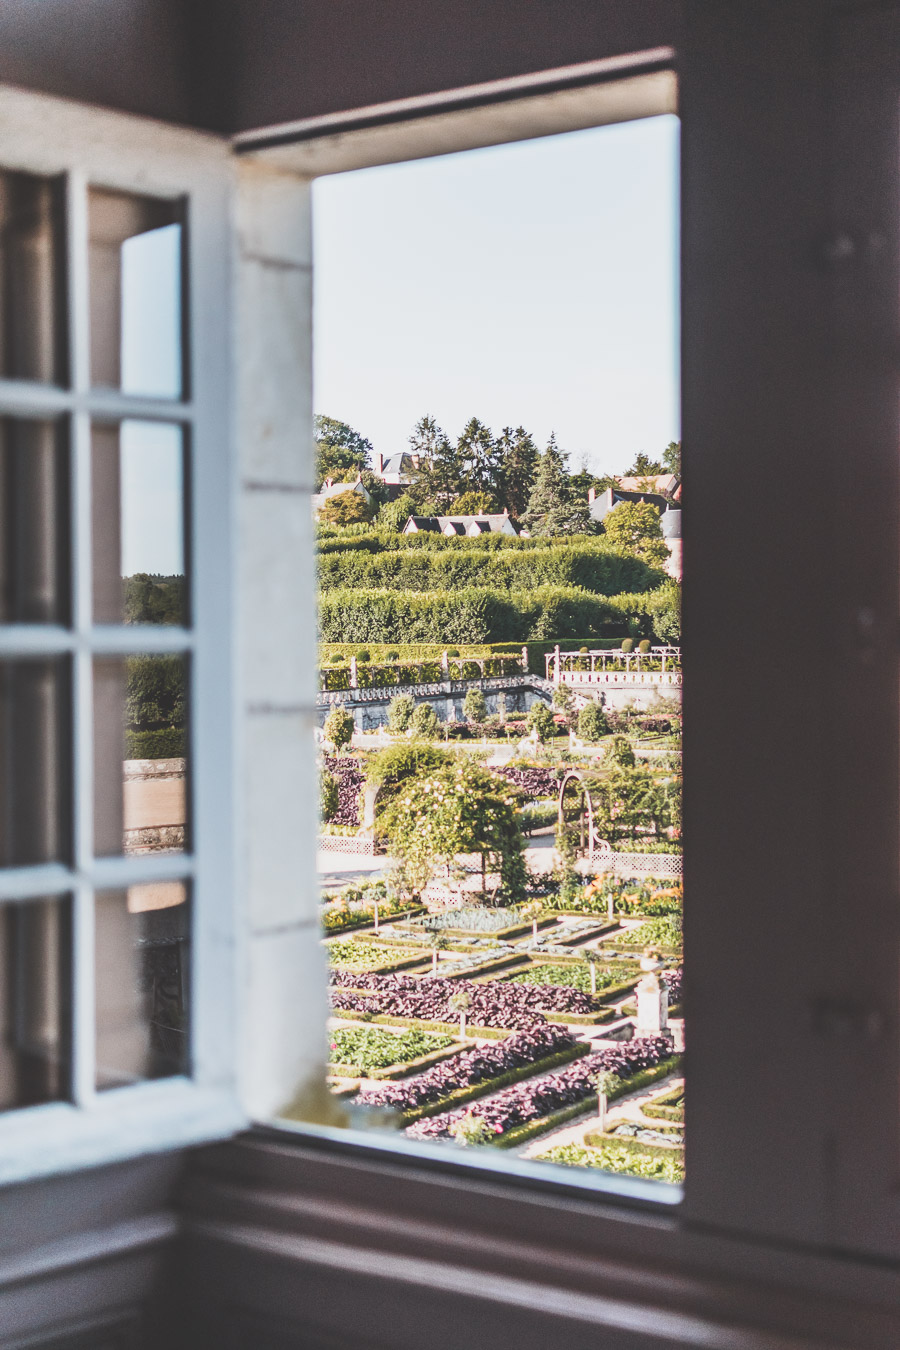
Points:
x=167, y=743
x=597, y=568
x=410, y=653
x=369, y=676
x=480, y=613
x=374, y=540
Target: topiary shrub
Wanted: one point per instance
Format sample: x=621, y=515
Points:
x=392, y=656
x=329, y=798
x=339, y=727
x=400, y=711
x=592, y=723
x=628, y=644
x=366, y=655
x=540, y=720
x=424, y=721
x=475, y=706
x=644, y=646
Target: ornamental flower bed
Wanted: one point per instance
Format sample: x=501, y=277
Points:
x=533, y=782
x=672, y=979
x=530, y=1100
x=473, y=919
x=495, y=1004
x=664, y=932
x=574, y=976
x=356, y=955
x=367, y=1048
x=350, y=781
x=610, y=1158
x=469, y=1068
x=337, y=918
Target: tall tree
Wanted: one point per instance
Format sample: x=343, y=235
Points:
x=341, y=452
x=438, y=476
x=644, y=467
x=517, y=461
x=477, y=456
x=553, y=507
x=671, y=457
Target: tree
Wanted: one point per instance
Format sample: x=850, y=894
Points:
x=438, y=474
x=517, y=460
x=562, y=699
x=604, y=1083
x=592, y=957
x=474, y=504
x=477, y=457
x=592, y=722
x=461, y=1002
x=540, y=720
x=338, y=729
x=553, y=508
x=400, y=711
x=582, y=482
x=671, y=457
x=460, y=809
x=439, y=942
x=424, y=721
x=340, y=451
x=474, y=706
x=328, y=795
x=635, y=526
x=394, y=515
x=346, y=508
x=644, y=467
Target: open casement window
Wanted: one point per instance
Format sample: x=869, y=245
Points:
x=115, y=704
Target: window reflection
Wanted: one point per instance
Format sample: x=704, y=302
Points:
x=135, y=293
x=33, y=522
x=32, y=345
x=34, y=761
x=140, y=754
x=35, y=1001
x=138, y=523
x=143, y=970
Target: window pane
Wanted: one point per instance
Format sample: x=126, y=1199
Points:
x=33, y=522
x=142, y=973
x=138, y=523
x=135, y=290
x=34, y=761
x=35, y=1001
x=32, y=331
x=140, y=754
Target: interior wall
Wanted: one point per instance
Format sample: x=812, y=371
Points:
x=240, y=64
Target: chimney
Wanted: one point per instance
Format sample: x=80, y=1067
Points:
x=592, y=493
x=379, y=462
x=506, y=510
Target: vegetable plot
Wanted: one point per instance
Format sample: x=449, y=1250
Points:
x=517, y=1006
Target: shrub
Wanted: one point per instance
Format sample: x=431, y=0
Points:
x=614, y=1158
x=328, y=795
x=592, y=723
x=346, y=508
x=620, y=752
x=389, y=769
x=628, y=645
x=338, y=728
x=644, y=646
x=364, y=655
x=424, y=721
x=475, y=706
x=400, y=711
x=166, y=743
x=540, y=720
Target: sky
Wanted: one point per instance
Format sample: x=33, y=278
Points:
x=532, y=284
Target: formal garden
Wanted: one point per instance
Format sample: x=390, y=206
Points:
x=491, y=986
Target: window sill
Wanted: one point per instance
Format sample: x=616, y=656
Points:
x=126, y=1123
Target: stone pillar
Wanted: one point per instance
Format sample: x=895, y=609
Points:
x=354, y=678
x=445, y=665
x=525, y=660
x=556, y=669
x=652, y=1002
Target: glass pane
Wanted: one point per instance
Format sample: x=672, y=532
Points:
x=140, y=754
x=35, y=1001
x=32, y=331
x=142, y=960
x=138, y=523
x=34, y=761
x=33, y=522
x=135, y=292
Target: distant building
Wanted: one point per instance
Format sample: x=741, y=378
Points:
x=665, y=484
x=397, y=470
x=670, y=521
x=332, y=489
x=498, y=523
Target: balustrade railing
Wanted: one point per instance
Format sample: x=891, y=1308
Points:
x=659, y=665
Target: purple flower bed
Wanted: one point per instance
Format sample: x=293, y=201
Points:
x=535, y=1098
x=672, y=979
x=534, y=782
x=493, y=1005
x=350, y=780
x=473, y=1066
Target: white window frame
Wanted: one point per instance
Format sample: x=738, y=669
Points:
x=88, y=147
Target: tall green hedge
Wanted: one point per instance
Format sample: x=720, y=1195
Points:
x=600, y=569
x=471, y=614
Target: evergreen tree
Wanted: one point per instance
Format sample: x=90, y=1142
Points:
x=553, y=507
x=438, y=474
x=477, y=457
x=517, y=461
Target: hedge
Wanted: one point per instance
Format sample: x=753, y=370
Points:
x=411, y=653
x=600, y=569
x=167, y=743
x=373, y=540
x=475, y=1090
x=472, y=613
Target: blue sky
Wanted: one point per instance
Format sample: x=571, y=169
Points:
x=533, y=283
